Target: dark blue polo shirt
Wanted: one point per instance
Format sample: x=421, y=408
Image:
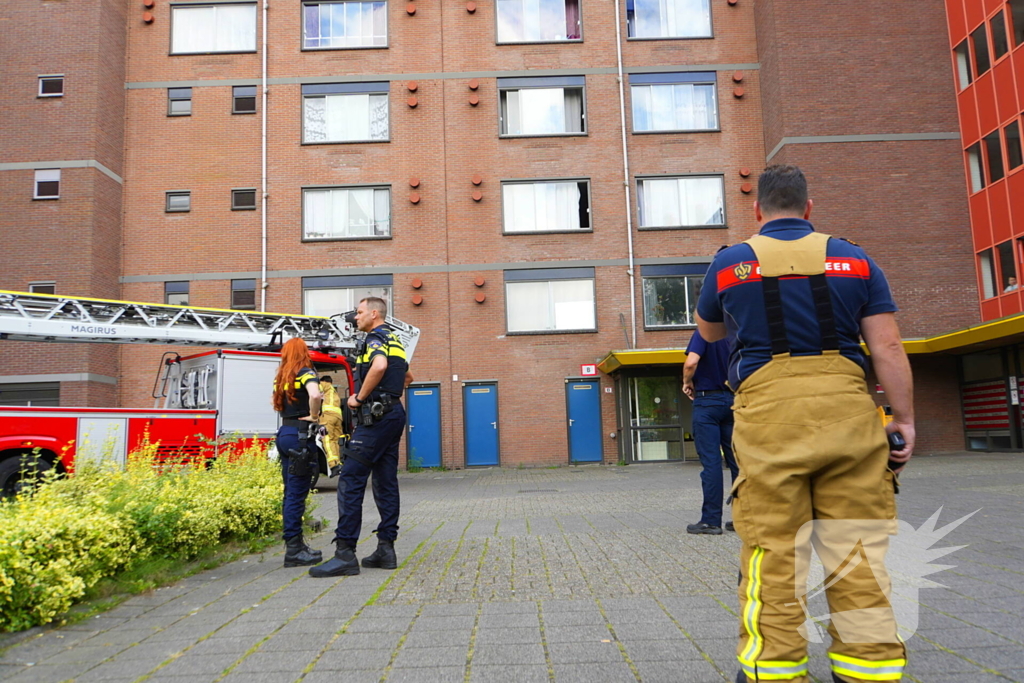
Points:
x=713, y=368
x=732, y=294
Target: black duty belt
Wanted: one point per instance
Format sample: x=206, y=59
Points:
x=711, y=392
x=294, y=422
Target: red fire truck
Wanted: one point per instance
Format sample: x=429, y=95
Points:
x=204, y=402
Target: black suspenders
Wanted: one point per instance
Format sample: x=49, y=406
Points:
x=822, y=306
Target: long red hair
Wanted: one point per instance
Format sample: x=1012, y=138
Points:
x=294, y=357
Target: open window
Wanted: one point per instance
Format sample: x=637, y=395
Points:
x=538, y=21
x=546, y=206
x=542, y=106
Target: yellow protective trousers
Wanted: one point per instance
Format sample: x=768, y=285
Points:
x=811, y=449
x=331, y=420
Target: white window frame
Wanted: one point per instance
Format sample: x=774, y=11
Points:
x=649, y=325
x=46, y=175
x=536, y=10
x=51, y=77
x=645, y=206
x=353, y=293
x=328, y=103
x=513, y=205
x=178, y=10
x=512, y=108
x=377, y=41
x=380, y=228
x=32, y=286
x=552, y=311
x=641, y=94
x=665, y=9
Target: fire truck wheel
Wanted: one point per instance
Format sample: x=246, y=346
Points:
x=18, y=473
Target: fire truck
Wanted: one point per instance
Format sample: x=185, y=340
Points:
x=203, y=403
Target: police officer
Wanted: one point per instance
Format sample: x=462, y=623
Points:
x=704, y=382
x=297, y=400
x=383, y=374
x=810, y=447
x=330, y=421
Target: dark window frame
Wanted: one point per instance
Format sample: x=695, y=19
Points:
x=243, y=287
x=579, y=9
x=179, y=95
x=641, y=178
x=176, y=288
x=345, y=88
x=1014, y=151
x=355, y=238
x=549, y=275
x=235, y=206
x=190, y=5
x=177, y=193
x=533, y=181
x=505, y=85
x=711, y=22
x=302, y=27
x=235, y=97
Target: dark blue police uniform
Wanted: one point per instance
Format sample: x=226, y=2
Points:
x=712, y=422
x=374, y=448
x=296, y=488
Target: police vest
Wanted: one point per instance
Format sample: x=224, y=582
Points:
x=300, y=406
x=383, y=341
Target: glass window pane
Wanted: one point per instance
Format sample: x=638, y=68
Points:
x=661, y=203
x=988, y=274
x=994, y=152
x=641, y=96
x=177, y=299
x=974, y=167
x=542, y=111
x=311, y=26
x=1013, y=148
x=51, y=86
x=1017, y=21
x=529, y=306
x=551, y=206
x=236, y=28
x=573, y=303
x=181, y=107
x=1007, y=268
x=655, y=401
x=657, y=444
x=328, y=302
x=1000, y=41
x=982, y=366
x=243, y=199
x=980, y=41
x=179, y=202
x=702, y=201
x=665, y=302
x=963, y=65
x=382, y=212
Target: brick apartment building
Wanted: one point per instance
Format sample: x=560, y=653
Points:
x=473, y=163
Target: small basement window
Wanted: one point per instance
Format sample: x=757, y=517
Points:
x=243, y=99
x=178, y=202
x=243, y=200
x=47, y=185
x=51, y=86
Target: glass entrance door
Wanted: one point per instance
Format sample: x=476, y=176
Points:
x=656, y=417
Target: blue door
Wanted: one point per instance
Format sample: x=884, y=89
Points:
x=424, y=443
x=480, y=413
x=583, y=401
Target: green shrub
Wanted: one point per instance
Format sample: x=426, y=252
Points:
x=58, y=541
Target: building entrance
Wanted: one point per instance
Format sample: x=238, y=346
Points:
x=659, y=417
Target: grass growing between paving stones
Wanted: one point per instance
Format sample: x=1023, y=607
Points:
x=145, y=524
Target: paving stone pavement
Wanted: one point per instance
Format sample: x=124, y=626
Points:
x=572, y=574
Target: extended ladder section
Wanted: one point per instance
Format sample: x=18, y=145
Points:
x=47, y=317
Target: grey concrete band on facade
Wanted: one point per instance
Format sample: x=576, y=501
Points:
x=78, y=163
x=442, y=75
x=60, y=377
x=442, y=268
x=878, y=137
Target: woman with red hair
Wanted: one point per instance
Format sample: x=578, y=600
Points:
x=297, y=399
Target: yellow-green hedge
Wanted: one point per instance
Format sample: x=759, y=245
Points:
x=58, y=541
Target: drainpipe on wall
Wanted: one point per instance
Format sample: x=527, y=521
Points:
x=631, y=270
x=263, y=163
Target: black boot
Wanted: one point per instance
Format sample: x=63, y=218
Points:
x=344, y=563
x=298, y=554
x=383, y=557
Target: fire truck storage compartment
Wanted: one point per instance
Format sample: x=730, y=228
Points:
x=102, y=438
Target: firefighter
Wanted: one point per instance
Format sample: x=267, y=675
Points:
x=297, y=399
x=807, y=438
x=382, y=375
x=330, y=419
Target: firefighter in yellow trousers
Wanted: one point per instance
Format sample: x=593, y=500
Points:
x=811, y=451
x=330, y=418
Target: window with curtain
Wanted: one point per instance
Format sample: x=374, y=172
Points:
x=987, y=268
x=681, y=202
x=674, y=106
x=550, y=305
x=348, y=117
x=213, y=28
x=344, y=24
x=671, y=301
x=330, y=301
x=552, y=206
x=974, y=167
x=542, y=111
x=355, y=212
x=536, y=21
x=668, y=18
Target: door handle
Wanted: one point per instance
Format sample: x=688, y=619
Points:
x=410, y=427
x=571, y=421
x=494, y=424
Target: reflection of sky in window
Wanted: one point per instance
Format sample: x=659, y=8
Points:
x=671, y=18
x=346, y=24
x=682, y=106
x=542, y=110
x=531, y=20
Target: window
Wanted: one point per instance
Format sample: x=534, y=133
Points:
x=550, y=300
x=243, y=295
x=51, y=86
x=1013, y=149
x=974, y=167
x=542, y=106
x=668, y=18
x=1017, y=21
x=213, y=28
x=345, y=112
x=536, y=21
x=176, y=293
x=340, y=213
x=243, y=200
x=344, y=24
x=179, y=101
x=551, y=206
x=980, y=41
x=30, y=394
x=243, y=99
x=987, y=268
x=327, y=296
x=178, y=202
x=963, y=65
x=690, y=202
x=42, y=287
x=47, y=185
x=1000, y=41
x=1007, y=268
x=674, y=102
x=994, y=152
x=671, y=293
